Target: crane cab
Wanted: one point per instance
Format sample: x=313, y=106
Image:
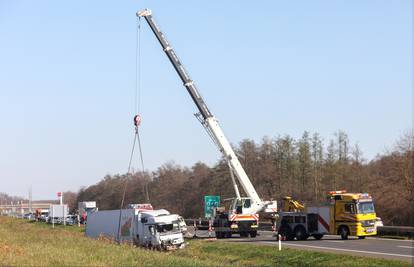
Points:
x=241, y=206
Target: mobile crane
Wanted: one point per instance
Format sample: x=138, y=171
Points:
x=242, y=216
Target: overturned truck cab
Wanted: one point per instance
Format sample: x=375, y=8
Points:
x=155, y=229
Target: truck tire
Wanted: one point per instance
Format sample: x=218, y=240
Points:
x=219, y=235
x=361, y=237
x=300, y=233
x=253, y=234
x=286, y=233
x=344, y=232
x=318, y=236
x=228, y=235
x=244, y=234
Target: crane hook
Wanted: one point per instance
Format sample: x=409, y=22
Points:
x=137, y=120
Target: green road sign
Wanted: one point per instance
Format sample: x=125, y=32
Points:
x=210, y=202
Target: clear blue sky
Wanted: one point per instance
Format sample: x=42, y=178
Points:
x=67, y=73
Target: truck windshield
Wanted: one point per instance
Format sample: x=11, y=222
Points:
x=365, y=207
x=169, y=227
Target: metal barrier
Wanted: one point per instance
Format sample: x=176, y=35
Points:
x=403, y=231
x=200, y=223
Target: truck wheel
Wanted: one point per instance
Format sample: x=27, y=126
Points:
x=318, y=236
x=228, y=234
x=344, y=232
x=219, y=235
x=286, y=233
x=300, y=233
x=244, y=234
x=361, y=237
x=253, y=234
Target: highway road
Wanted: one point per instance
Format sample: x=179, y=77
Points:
x=369, y=247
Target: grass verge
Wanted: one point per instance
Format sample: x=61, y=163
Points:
x=36, y=244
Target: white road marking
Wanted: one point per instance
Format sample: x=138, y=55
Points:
x=335, y=241
x=348, y=250
x=404, y=247
x=368, y=237
x=390, y=239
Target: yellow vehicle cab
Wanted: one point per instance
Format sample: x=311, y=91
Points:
x=352, y=214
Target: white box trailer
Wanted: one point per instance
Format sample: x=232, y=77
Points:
x=148, y=228
x=105, y=223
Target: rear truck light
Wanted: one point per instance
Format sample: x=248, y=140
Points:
x=337, y=192
x=254, y=226
x=234, y=226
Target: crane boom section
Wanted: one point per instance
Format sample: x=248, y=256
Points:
x=188, y=83
x=229, y=154
x=208, y=119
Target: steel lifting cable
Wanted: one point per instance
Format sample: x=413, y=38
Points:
x=125, y=187
x=137, y=122
x=138, y=67
x=138, y=107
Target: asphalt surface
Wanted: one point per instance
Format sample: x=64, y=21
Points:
x=369, y=247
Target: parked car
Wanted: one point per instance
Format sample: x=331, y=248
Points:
x=44, y=218
x=71, y=219
x=378, y=222
x=29, y=216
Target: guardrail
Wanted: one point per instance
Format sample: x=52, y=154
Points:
x=200, y=223
x=403, y=231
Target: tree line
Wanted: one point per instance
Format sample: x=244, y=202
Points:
x=6, y=199
x=305, y=168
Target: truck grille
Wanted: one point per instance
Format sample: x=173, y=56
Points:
x=368, y=223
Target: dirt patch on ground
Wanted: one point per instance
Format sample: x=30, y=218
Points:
x=6, y=249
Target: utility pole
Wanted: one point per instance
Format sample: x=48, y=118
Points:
x=30, y=199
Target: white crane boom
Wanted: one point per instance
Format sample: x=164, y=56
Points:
x=206, y=117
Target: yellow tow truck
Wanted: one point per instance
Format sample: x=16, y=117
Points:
x=347, y=214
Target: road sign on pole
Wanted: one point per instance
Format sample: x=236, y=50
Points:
x=60, y=196
x=210, y=202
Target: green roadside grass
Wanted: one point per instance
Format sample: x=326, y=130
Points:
x=23, y=243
